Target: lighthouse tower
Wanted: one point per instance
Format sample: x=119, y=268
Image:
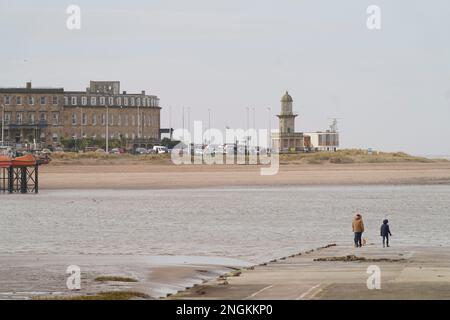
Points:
x=286, y=139
x=286, y=117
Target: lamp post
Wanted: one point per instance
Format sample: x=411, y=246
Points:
x=138, y=123
x=3, y=123
x=269, y=109
x=107, y=128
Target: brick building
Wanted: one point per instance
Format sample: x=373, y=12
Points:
x=46, y=115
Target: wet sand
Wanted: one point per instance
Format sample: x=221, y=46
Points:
x=44, y=276
x=152, y=176
x=406, y=273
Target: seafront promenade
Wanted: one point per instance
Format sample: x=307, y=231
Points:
x=338, y=272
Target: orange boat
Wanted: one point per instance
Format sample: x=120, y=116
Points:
x=5, y=162
x=24, y=161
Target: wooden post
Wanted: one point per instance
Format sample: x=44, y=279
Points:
x=23, y=180
x=10, y=179
x=36, y=179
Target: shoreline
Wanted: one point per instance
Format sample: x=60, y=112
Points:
x=406, y=272
x=155, y=176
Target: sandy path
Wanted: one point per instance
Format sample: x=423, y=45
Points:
x=148, y=176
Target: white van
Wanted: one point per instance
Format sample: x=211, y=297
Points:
x=160, y=149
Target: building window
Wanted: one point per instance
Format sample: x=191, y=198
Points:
x=94, y=119
x=125, y=101
x=126, y=120
x=31, y=101
x=132, y=101
x=43, y=100
x=55, y=100
x=31, y=117
x=93, y=101
x=66, y=100
x=84, y=119
x=55, y=116
x=42, y=117
x=73, y=101
x=19, y=118
x=84, y=101
x=119, y=120
x=119, y=101
x=102, y=101
x=7, y=100
x=138, y=102
x=74, y=119
x=110, y=101
x=111, y=120
x=133, y=121
x=7, y=117
x=103, y=119
x=19, y=100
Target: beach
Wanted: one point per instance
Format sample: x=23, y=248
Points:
x=174, y=238
x=135, y=175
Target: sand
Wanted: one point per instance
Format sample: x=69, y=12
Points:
x=406, y=272
x=153, y=176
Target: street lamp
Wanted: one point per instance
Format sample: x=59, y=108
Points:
x=3, y=123
x=269, y=109
x=107, y=128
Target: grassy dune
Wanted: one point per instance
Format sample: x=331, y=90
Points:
x=345, y=156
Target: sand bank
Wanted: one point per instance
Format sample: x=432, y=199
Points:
x=152, y=176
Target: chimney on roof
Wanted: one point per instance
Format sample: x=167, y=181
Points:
x=29, y=85
x=143, y=92
x=124, y=92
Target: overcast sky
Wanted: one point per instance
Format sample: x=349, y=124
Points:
x=391, y=87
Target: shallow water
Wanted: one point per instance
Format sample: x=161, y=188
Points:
x=251, y=224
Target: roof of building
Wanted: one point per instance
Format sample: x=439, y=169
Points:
x=286, y=97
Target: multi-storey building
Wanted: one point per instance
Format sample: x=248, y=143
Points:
x=31, y=115
x=48, y=115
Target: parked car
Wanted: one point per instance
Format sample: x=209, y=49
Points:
x=140, y=151
x=160, y=149
x=100, y=151
x=117, y=151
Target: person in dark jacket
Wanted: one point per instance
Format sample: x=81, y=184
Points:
x=385, y=232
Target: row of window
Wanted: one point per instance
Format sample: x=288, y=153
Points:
x=111, y=136
x=112, y=101
x=31, y=118
x=116, y=136
x=118, y=120
x=30, y=100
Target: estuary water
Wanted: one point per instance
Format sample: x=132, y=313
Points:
x=250, y=224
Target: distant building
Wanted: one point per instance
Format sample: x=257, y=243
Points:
x=321, y=141
x=286, y=139
x=47, y=115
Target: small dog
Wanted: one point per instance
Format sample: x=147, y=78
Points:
x=364, y=242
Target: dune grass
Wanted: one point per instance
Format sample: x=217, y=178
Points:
x=344, y=156
x=348, y=156
x=115, y=278
x=107, y=295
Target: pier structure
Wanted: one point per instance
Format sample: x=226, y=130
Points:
x=19, y=175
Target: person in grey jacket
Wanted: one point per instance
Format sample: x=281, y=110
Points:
x=385, y=232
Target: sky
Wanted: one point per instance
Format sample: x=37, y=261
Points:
x=390, y=88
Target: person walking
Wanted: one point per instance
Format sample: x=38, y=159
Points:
x=385, y=232
x=358, y=229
